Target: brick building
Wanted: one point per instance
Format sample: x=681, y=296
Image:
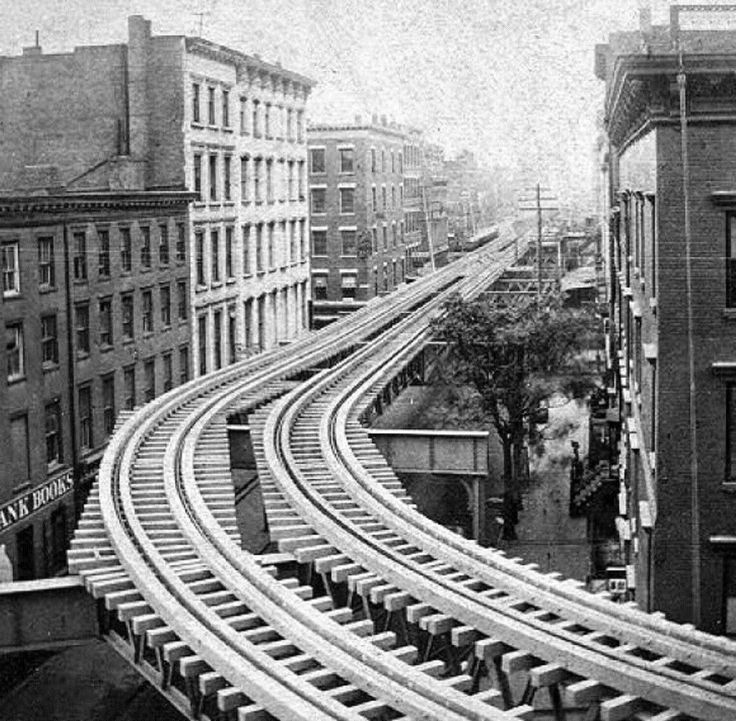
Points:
x=162, y=112
x=356, y=180
x=673, y=339
x=95, y=312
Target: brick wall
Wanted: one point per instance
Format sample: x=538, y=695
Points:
x=680, y=545
x=366, y=217
x=64, y=110
x=77, y=367
x=712, y=167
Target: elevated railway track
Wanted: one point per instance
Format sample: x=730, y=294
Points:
x=368, y=610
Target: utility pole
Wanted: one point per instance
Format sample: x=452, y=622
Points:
x=539, y=240
x=428, y=223
x=200, y=15
x=537, y=207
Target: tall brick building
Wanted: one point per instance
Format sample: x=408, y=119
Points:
x=95, y=313
x=163, y=112
x=356, y=181
x=672, y=173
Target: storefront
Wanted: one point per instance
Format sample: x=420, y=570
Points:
x=35, y=528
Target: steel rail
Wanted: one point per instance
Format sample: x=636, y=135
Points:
x=540, y=615
x=239, y=564
x=139, y=556
x=659, y=684
x=352, y=657
x=630, y=626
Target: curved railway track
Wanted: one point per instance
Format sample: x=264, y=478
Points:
x=370, y=610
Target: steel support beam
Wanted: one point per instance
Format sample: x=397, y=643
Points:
x=46, y=614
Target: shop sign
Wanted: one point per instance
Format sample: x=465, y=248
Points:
x=20, y=508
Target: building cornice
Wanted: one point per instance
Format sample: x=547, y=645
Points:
x=249, y=65
x=324, y=129
x=643, y=90
x=62, y=203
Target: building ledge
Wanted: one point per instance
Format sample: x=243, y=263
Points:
x=723, y=197
x=724, y=367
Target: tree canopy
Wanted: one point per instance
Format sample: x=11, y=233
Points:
x=515, y=356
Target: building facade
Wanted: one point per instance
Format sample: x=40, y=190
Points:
x=358, y=245
x=425, y=203
x=672, y=346
x=163, y=112
x=96, y=312
x=414, y=199
x=245, y=156
x=470, y=198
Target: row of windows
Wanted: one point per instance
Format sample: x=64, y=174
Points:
x=262, y=119
x=351, y=245
x=384, y=198
x=265, y=245
x=636, y=237
x=413, y=221
x=15, y=344
x=413, y=156
x=383, y=279
x=95, y=421
x=271, y=310
x=82, y=255
x=148, y=323
x=345, y=160
x=348, y=286
x=379, y=162
x=261, y=179
x=150, y=389
x=346, y=199
x=95, y=430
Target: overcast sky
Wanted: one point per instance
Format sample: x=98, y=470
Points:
x=512, y=81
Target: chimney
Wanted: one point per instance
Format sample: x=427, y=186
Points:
x=139, y=40
x=34, y=49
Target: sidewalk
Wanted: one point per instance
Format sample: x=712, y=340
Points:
x=546, y=533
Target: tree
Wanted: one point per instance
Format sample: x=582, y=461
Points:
x=515, y=356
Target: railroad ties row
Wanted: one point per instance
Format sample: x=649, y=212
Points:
x=128, y=612
x=477, y=665
x=436, y=632
x=696, y=672
x=139, y=632
x=186, y=679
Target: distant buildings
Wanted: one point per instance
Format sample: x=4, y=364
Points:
x=470, y=197
x=96, y=318
x=165, y=112
x=377, y=191
x=673, y=338
x=425, y=201
x=356, y=185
